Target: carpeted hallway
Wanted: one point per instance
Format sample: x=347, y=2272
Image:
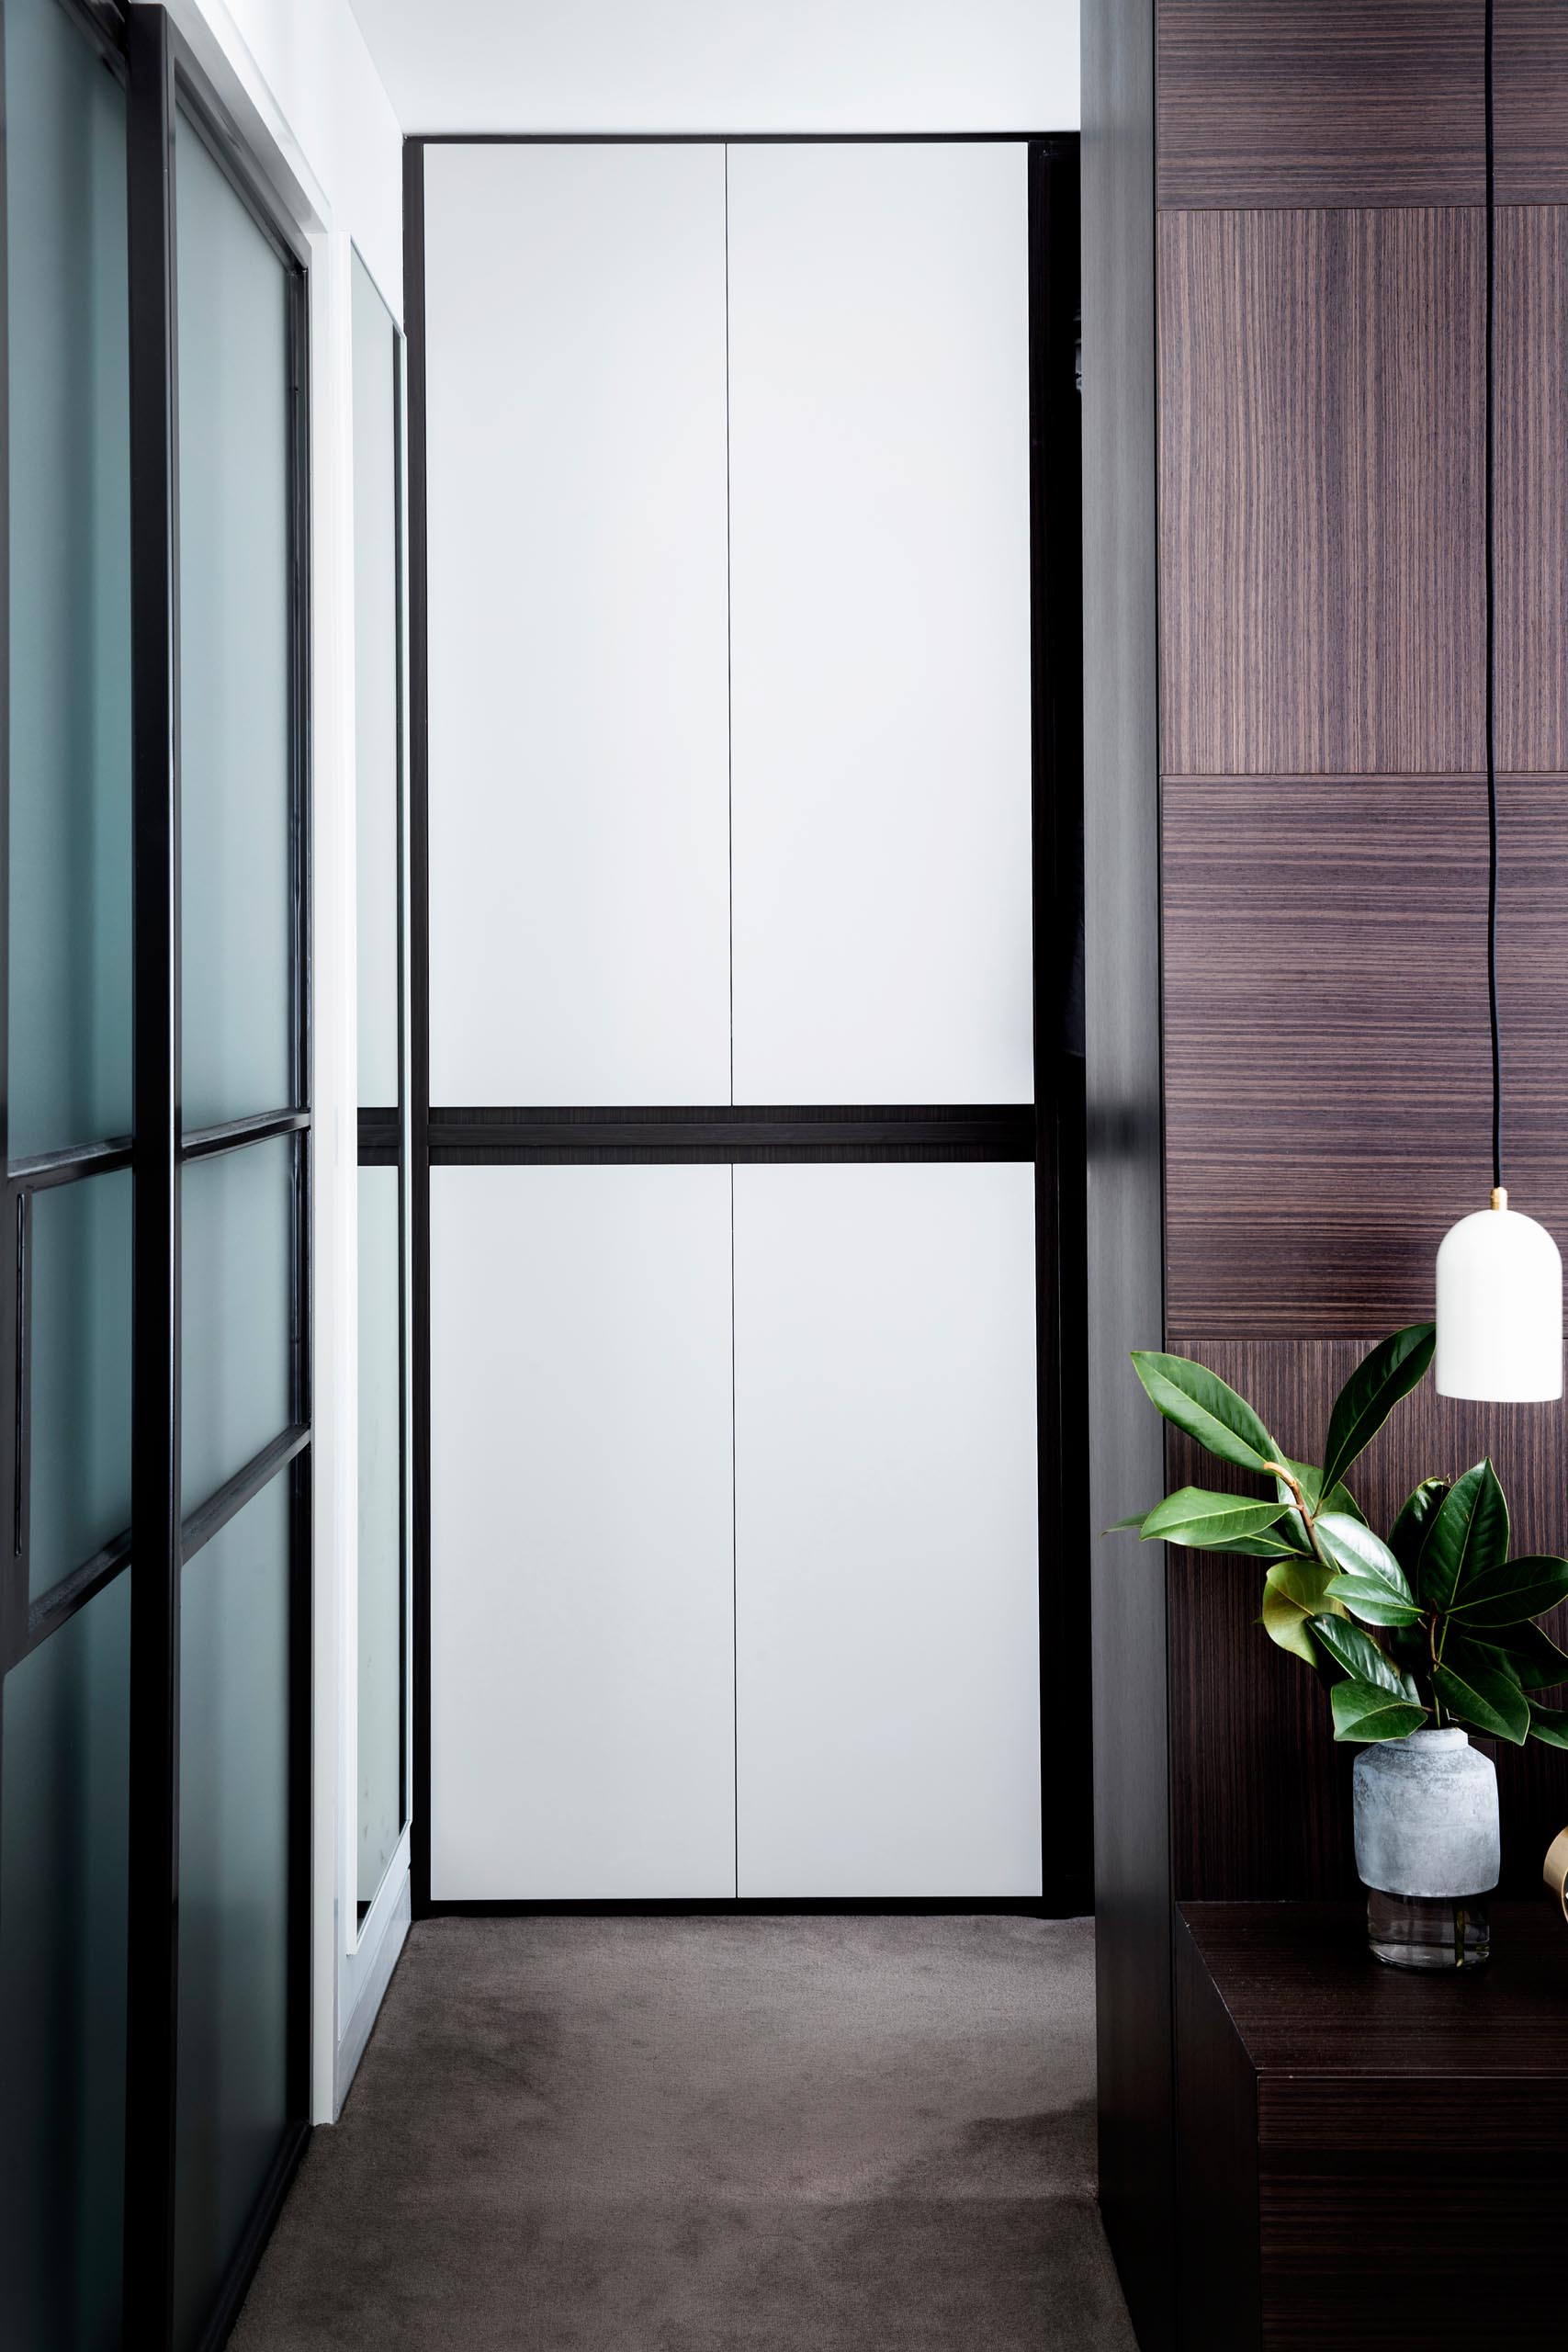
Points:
x=689, y=2135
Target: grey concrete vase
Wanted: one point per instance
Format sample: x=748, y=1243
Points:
x=1426, y=1817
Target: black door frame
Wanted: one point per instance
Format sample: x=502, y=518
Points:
x=1049, y=1132
x=159, y=76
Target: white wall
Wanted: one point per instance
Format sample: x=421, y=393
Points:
x=728, y=66
x=298, y=82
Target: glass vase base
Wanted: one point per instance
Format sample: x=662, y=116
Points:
x=1428, y=1931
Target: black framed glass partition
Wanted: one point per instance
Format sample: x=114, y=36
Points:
x=154, y=1307
x=66, y=1293
x=381, y=1042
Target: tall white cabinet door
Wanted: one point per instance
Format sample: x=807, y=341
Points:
x=582, y=1575
x=887, y=1582
x=578, y=624
x=880, y=623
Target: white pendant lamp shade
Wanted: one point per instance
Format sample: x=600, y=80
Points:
x=1499, y=1274
x=1499, y=1309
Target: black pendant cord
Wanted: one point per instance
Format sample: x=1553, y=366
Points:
x=1490, y=533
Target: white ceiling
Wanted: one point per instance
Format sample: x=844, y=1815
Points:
x=727, y=65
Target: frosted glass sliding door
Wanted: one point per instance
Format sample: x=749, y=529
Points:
x=578, y=625
x=154, y=1328
x=243, y=1273
x=582, y=1636
x=887, y=1644
x=879, y=470
x=67, y=1211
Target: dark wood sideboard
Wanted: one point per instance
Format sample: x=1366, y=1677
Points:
x=1370, y=2158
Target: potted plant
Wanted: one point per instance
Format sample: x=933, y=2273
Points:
x=1419, y=1640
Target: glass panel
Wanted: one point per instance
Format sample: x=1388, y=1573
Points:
x=70, y=536
x=233, y=2081
x=380, y=1545
x=234, y=666
x=237, y=1213
x=64, y=1831
x=376, y=686
x=80, y=1390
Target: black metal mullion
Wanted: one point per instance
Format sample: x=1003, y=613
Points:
x=302, y=1301
x=21, y=1227
x=152, y=2020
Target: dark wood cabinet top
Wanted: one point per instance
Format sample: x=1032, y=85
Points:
x=1306, y=1997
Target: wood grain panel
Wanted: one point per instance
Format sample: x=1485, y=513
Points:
x=1532, y=482
x=1261, y=1803
x=1358, y=102
x=1327, y=1069
x=1322, y=408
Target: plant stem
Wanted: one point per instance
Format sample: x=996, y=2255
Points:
x=1296, y=1489
x=1435, y=1648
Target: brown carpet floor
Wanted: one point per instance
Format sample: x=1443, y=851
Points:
x=689, y=2135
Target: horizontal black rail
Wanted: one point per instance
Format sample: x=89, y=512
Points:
x=205, y=1143
x=379, y=1129
x=54, y=1608
x=214, y=1515
x=50, y=1168
x=727, y=1132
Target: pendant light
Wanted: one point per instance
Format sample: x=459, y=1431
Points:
x=1499, y=1274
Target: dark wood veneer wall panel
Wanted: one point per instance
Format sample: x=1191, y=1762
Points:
x=1327, y=1061
x=1358, y=102
x=1261, y=1807
x=1322, y=400
x=1532, y=480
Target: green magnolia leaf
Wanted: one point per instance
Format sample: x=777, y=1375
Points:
x=1370, y=1393
x=1360, y=1657
x=1362, y=1713
x=1119, y=1526
x=1520, y=1589
x=1199, y=1402
x=1469, y=1533
x=1532, y=1654
x=1275, y=1546
x=1409, y=1530
x=1293, y=1594
x=1373, y=1603
x=1194, y=1516
x=1476, y=1687
x=1548, y=1724
x=1356, y=1552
